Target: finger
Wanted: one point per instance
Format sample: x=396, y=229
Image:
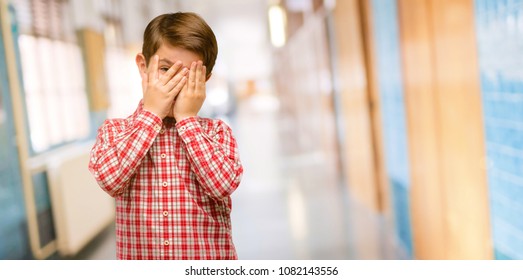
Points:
x=192, y=78
x=176, y=79
x=144, y=80
x=185, y=87
x=152, y=70
x=171, y=72
x=178, y=87
x=199, y=68
x=200, y=84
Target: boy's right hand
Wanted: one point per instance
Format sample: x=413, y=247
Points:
x=160, y=91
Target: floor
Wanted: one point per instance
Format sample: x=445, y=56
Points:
x=289, y=205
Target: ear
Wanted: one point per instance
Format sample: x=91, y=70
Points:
x=208, y=77
x=141, y=63
x=142, y=70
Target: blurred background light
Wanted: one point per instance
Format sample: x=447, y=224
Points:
x=277, y=25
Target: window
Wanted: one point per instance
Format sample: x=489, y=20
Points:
x=53, y=75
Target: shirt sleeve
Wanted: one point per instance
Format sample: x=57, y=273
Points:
x=213, y=157
x=119, y=150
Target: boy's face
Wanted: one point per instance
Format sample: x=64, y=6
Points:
x=168, y=56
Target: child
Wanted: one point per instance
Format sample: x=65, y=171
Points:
x=170, y=171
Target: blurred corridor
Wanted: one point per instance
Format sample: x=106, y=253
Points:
x=368, y=129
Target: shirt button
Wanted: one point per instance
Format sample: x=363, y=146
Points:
x=165, y=213
x=162, y=155
x=164, y=184
x=157, y=127
x=162, y=131
x=166, y=242
x=182, y=128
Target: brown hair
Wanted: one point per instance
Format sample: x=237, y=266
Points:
x=185, y=30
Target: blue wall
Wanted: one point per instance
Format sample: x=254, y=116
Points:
x=499, y=29
x=386, y=36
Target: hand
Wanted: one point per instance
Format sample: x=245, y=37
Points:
x=190, y=100
x=159, y=92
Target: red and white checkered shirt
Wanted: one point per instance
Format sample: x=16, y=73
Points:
x=172, y=183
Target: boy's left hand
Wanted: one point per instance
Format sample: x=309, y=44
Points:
x=190, y=100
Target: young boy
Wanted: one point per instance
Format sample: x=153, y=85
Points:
x=171, y=172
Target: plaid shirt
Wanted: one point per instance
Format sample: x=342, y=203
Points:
x=172, y=183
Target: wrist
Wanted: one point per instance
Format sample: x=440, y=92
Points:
x=180, y=118
x=153, y=111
